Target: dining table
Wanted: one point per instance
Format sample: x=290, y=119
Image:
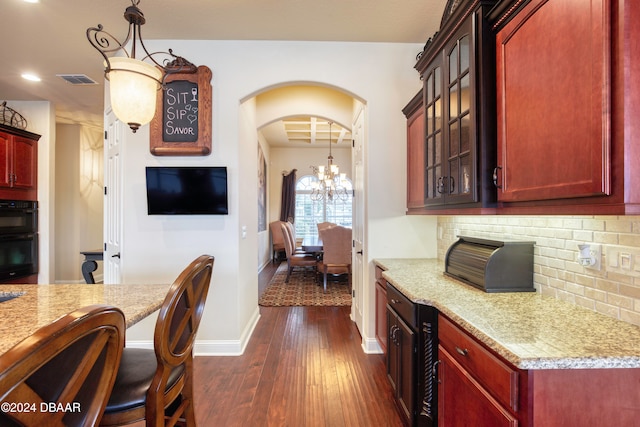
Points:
x=312, y=244
x=26, y=308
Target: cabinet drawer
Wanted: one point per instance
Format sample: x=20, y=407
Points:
x=402, y=305
x=496, y=376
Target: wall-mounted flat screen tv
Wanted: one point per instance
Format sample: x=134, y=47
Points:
x=187, y=190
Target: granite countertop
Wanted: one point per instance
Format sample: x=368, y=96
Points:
x=39, y=305
x=529, y=330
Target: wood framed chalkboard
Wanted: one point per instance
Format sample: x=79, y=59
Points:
x=182, y=123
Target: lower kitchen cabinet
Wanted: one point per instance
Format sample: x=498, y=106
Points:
x=465, y=402
x=411, y=354
x=400, y=363
x=381, y=310
x=476, y=387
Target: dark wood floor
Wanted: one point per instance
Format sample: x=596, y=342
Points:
x=303, y=366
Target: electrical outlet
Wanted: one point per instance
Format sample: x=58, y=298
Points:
x=590, y=256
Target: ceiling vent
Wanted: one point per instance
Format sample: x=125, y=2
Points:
x=77, y=79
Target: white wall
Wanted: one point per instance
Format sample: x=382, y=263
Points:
x=79, y=199
x=157, y=248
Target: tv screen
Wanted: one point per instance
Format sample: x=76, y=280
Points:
x=187, y=190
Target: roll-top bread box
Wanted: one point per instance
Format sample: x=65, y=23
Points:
x=492, y=265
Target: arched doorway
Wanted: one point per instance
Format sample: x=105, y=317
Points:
x=284, y=104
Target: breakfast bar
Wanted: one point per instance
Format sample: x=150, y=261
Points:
x=25, y=308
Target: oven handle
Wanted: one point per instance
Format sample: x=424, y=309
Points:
x=17, y=236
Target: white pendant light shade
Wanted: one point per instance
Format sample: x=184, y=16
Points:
x=133, y=89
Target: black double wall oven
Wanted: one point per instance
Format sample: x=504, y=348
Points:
x=18, y=239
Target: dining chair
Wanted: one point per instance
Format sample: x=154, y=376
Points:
x=296, y=242
x=323, y=226
x=63, y=373
x=295, y=259
x=277, y=239
x=157, y=385
x=336, y=257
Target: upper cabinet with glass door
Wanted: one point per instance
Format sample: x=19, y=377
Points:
x=458, y=72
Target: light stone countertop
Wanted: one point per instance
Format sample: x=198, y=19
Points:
x=40, y=305
x=529, y=330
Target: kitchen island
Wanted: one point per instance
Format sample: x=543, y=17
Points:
x=516, y=359
x=34, y=306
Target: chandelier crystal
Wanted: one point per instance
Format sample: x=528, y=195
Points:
x=328, y=184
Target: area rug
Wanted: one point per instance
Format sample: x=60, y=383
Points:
x=303, y=290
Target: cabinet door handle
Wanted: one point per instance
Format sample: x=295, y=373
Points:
x=394, y=335
x=395, y=301
x=495, y=176
x=462, y=351
x=434, y=372
x=440, y=185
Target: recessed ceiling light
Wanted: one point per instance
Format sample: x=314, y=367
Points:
x=31, y=1
x=31, y=77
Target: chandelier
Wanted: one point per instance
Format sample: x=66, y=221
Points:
x=328, y=183
x=134, y=83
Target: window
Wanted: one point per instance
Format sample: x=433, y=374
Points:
x=310, y=212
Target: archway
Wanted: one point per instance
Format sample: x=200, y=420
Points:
x=277, y=104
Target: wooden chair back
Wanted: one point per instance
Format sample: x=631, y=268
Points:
x=174, y=337
x=62, y=375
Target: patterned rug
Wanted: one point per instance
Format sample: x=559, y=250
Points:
x=303, y=290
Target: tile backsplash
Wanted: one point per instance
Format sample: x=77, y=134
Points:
x=614, y=290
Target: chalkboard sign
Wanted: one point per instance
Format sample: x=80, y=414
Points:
x=182, y=123
x=180, y=112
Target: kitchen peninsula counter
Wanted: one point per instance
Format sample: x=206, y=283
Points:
x=39, y=305
x=529, y=330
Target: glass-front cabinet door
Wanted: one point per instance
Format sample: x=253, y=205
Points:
x=449, y=134
x=457, y=68
x=433, y=134
x=459, y=184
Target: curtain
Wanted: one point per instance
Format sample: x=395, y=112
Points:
x=288, y=205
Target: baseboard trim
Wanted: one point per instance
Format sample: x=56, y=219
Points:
x=371, y=346
x=214, y=347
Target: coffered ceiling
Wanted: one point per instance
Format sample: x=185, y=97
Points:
x=305, y=131
x=48, y=37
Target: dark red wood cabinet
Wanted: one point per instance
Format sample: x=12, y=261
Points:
x=414, y=112
x=381, y=310
x=553, y=76
x=18, y=164
x=545, y=120
x=567, y=106
x=477, y=387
